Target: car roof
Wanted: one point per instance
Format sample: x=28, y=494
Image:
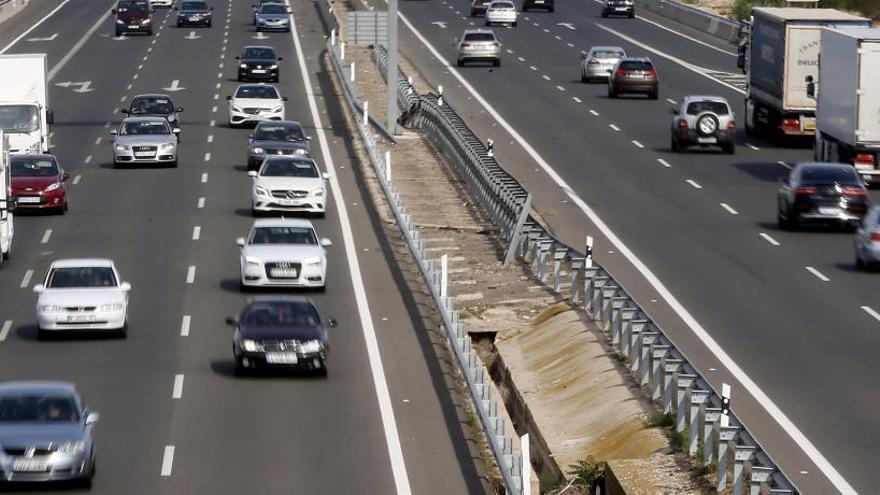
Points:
x=477, y=31
x=258, y=46
x=635, y=59
x=281, y=122
x=256, y=299
x=283, y=222
x=607, y=47
x=40, y=387
x=144, y=118
x=81, y=262
x=35, y=156
x=248, y=85
x=719, y=99
x=151, y=95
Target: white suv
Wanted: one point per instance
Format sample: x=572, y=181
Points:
x=501, y=12
x=252, y=103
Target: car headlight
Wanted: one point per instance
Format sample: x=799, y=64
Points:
x=314, y=262
x=145, y=22
x=273, y=66
x=251, y=261
x=112, y=307
x=121, y=147
x=251, y=345
x=279, y=108
x=301, y=151
x=318, y=192
x=311, y=346
x=53, y=187
x=243, y=66
x=119, y=21
x=261, y=191
x=72, y=447
x=50, y=308
x=257, y=151
x=236, y=108
x=167, y=147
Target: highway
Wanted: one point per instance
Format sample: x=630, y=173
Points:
x=703, y=252
x=174, y=418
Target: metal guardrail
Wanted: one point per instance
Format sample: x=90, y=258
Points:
x=715, y=25
x=407, y=97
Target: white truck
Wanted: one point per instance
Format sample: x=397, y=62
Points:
x=848, y=104
x=6, y=229
x=24, y=102
x=783, y=49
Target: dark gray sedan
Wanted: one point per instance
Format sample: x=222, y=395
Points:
x=276, y=138
x=46, y=433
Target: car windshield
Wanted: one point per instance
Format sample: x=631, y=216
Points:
x=81, y=276
x=34, y=408
x=292, y=313
x=633, y=65
x=261, y=92
x=283, y=235
x=479, y=37
x=157, y=106
x=134, y=7
x=194, y=6
x=716, y=107
x=273, y=8
x=34, y=167
x=845, y=176
x=283, y=167
x=501, y=6
x=144, y=127
x=258, y=52
x=279, y=132
x=606, y=54
x=19, y=118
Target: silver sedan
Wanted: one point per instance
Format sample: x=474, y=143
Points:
x=599, y=62
x=479, y=45
x=867, y=240
x=145, y=140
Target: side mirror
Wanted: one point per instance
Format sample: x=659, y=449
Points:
x=179, y=109
x=280, y=59
x=308, y=138
x=65, y=175
x=125, y=286
x=239, y=241
x=113, y=132
x=326, y=242
x=331, y=322
x=283, y=98
x=50, y=117
x=252, y=173
x=229, y=98
x=741, y=61
x=92, y=418
x=232, y=321
x=113, y=11
x=325, y=176
x=124, y=110
x=176, y=130
x=237, y=57
x=39, y=288
x=811, y=87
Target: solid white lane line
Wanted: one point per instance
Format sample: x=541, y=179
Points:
x=177, y=389
x=27, y=279
x=374, y=355
x=752, y=388
x=4, y=331
x=79, y=44
x=207, y=157
x=210, y=138
x=204, y=177
x=818, y=274
x=664, y=163
x=614, y=127
x=594, y=113
x=184, y=325
x=753, y=147
x=35, y=26
x=769, y=239
x=46, y=236
x=780, y=162
x=88, y=159
x=167, y=460
x=693, y=183
x=729, y=209
x=191, y=274
x=197, y=232
x=638, y=144
x=576, y=99
x=76, y=180
x=201, y=203
x=866, y=309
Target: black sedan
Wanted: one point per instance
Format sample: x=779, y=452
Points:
x=154, y=105
x=822, y=193
x=276, y=138
x=258, y=62
x=194, y=13
x=278, y=331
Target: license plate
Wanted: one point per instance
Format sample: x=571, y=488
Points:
x=80, y=318
x=539, y=1
x=195, y=19
x=860, y=166
x=133, y=27
x=636, y=76
x=829, y=210
x=620, y=9
x=30, y=466
x=808, y=123
x=281, y=358
x=28, y=199
x=290, y=202
x=144, y=153
x=284, y=272
x=259, y=71
x=707, y=140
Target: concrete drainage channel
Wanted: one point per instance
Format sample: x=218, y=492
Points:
x=489, y=265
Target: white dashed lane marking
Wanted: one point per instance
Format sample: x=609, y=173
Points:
x=197, y=232
x=576, y=99
x=207, y=157
x=866, y=309
x=201, y=203
x=729, y=209
x=693, y=183
x=818, y=274
x=27, y=279
x=76, y=180
x=614, y=127
x=46, y=236
x=177, y=389
x=191, y=274
x=638, y=144
x=664, y=163
x=4, y=331
x=769, y=239
x=753, y=147
x=204, y=177
x=184, y=325
x=167, y=460
x=210, y=138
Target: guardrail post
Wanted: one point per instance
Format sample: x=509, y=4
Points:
x=409, y=84
x=726, y=434
x=625, y=318
x=544, y=248
x=607, y=293
x=711, y=417
x=670, y=368
x=593, y=284
x=683, y=382
x=759, y=479
x=444, y=275
x=698, y=400
x=333, y=37
x=658, y=355
x=577, y=276
x=647, y=339
x=440, y=95
x=342, y=51
x=558, y=258
x=490, y=147
x=614, y=307
x=741, y=455
x=352, y=78
x=388, y=167
x=366, y=122
x=589, y=251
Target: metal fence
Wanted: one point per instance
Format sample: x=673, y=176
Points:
x=367, y=28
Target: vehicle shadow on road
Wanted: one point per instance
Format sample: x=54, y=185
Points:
x=51, y=486
x=765, y=171
x=29, y=332
x=226, y=369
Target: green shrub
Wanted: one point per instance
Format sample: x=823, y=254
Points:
x=585, y=471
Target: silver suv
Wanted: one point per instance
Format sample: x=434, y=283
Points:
x=703, y=121
x=477, y=45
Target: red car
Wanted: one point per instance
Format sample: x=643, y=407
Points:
x=38, y=183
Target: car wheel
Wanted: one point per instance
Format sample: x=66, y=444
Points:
x=859, y=263
x=238, y=369
x=604, y=14
x=276, y=79
x=514, y=24
x=459, y=63
x=488, y=23
x=552, y=9
x=43, y=334
x=179, y=24
x=473, y=13
x=116, y=164
x=122, y=333
x=730, y=149
x=118, y=33
x=611, y=92
x=7, y=254
x=585, y=79
x=654, y=94
x=673, y=144
x=632, y=15
x=150, y=32
x=782, y=221
x=497, y=62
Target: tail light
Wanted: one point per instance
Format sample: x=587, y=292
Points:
x=651, y=73
x=791, y=123
x=731, y=125
x=855, y=191
x=494, y=44
x=593, y=61
x=620, y=72
x=805, y=191
x=682, y=124
x=864, y=159
x=875, y=236
x=465, y=45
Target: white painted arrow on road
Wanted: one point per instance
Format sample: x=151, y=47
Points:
x=439, y=23
x=175, y=86
x=49, y=38
x=114, y=38
x=566, y=24
x=192, y=36
x=260, y=36
x=84, y=86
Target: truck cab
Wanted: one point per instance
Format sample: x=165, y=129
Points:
x=6, y=227
x=24, y=113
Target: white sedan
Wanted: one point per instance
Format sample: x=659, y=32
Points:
x=288, y=184
x=501, y=12
x=253, y=103
x=283, y=252
x=82, y=294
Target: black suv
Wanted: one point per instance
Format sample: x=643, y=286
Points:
x=258, y=62
x=194, y=13
x=619, y=7
x=538, y=4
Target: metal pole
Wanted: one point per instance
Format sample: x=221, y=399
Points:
x=391, y=70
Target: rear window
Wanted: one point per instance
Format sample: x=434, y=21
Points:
x=830, y=175
x=479, y=37
x=607, y=54
x=502, y=5
x=632, y=65
x=716, y=107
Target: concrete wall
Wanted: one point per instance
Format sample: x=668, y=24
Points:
x=714, y=25
x=10, y=8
